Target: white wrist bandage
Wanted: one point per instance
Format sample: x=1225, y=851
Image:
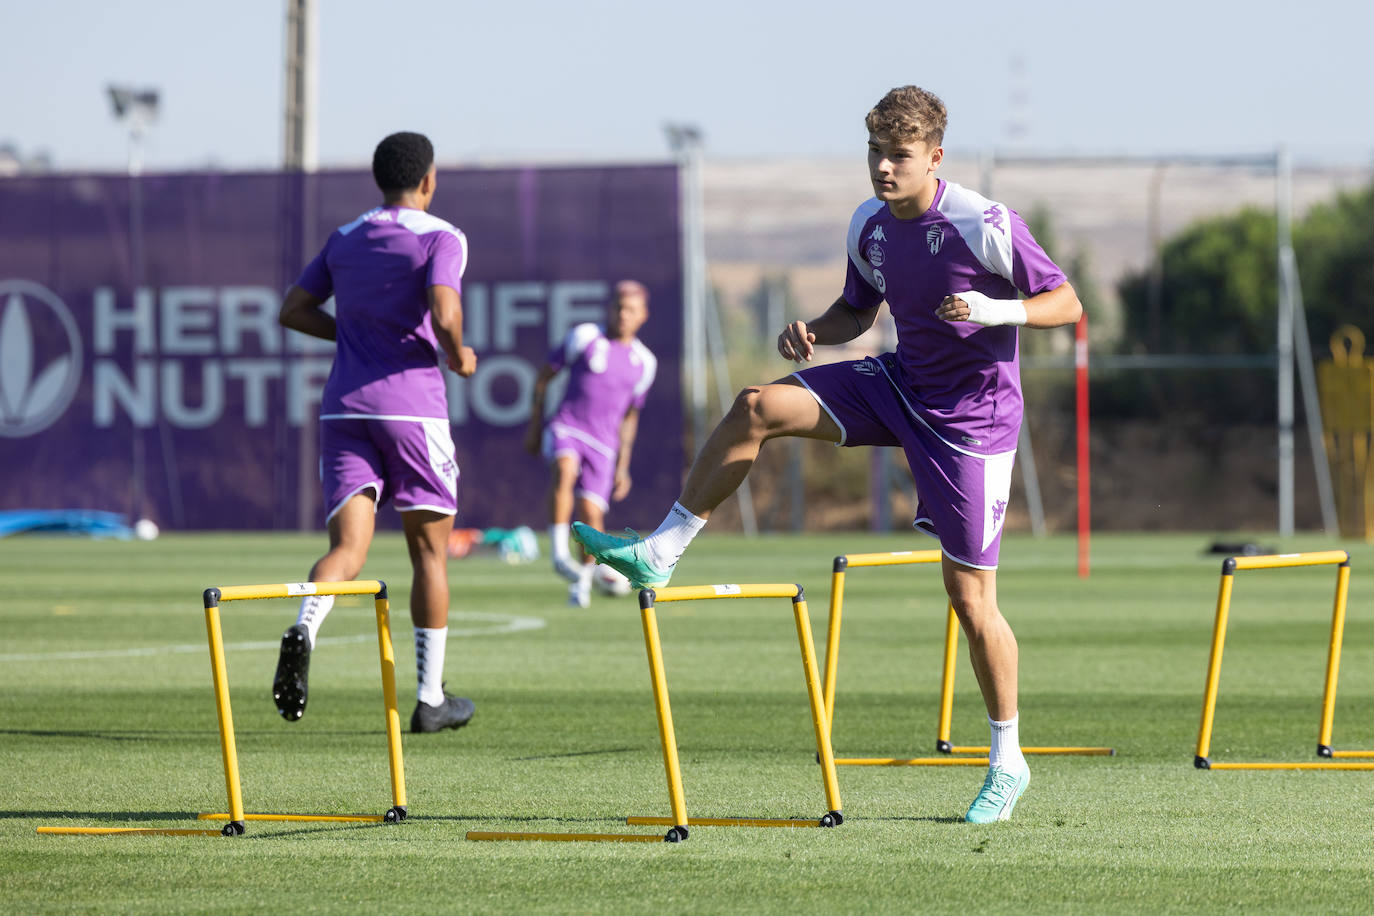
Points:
x=987, y=311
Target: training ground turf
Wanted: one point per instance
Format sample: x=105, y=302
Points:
x=108, y=720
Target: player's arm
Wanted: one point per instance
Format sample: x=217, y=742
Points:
x=446, y=317
x=535, y=429
x=629, y=428
x=300, y=311
x=841, y=323
x=1050, y=309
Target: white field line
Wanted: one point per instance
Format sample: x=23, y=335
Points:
x=498, y=624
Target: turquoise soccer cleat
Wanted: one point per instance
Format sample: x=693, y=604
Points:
x=1000, y=792
x=624, y=555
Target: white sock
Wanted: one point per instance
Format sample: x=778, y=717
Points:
x=558, y=543
x=314, y=609
x=429, y=664
x=671, y=538
x=1006, y=744
x=584, y=576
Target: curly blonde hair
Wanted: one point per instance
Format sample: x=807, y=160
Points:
x=909, y=113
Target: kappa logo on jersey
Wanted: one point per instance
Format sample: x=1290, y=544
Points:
x=993, y=215
x=40, y=358
x=864, y=367
x=935, y=237
x=875, y=255
x=877, y=235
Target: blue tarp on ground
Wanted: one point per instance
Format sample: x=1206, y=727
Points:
x=75, y=522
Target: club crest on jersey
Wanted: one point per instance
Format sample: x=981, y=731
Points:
x=875, y=255
x=864, y=367
x=935, y=237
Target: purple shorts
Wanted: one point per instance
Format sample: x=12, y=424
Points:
x=595, y=460
x=962, y=497
x=410, y=461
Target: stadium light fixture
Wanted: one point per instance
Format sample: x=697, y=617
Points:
x=136, y=108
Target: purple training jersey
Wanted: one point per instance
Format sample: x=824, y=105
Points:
x=605, y=379
x=963, y=379
x=378, y=269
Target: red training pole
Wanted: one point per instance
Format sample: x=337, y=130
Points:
x=1080, y=369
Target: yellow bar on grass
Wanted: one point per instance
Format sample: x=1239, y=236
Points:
x=298, y=589
x=124, y=831
x=911, y=761
x=1307, y=765
x=323, y=818
x=1352, y=753
x=566, y=837
x=725, y=822
x=1056, y=751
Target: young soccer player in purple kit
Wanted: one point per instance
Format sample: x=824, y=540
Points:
x=949, y=263
x=588, y=440
x=395, y=274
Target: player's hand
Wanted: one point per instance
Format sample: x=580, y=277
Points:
x=532, y=437
x=952, y=308
x=466, y=363
x=622, y=486
x=796, y=342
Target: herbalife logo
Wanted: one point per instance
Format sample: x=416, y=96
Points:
x=40, y=358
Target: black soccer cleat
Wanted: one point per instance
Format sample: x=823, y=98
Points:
x=290, y=686
x=454, y=712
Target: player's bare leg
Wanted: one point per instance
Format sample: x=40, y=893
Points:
x=426, y=535
x=993, y=652
x=761, y=412
x=350, y=535
x=562, y=479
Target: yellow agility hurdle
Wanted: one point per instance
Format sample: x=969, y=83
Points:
x=1341, y=560
x=235, y=816
x=942, y=742
x=679, y=822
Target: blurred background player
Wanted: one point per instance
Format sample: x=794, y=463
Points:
x=588, y=440
x=949, y=263
x=395, y=275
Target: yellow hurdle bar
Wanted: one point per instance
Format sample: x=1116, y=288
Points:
x=124, y=831
x=1069, y=751
x=1341, y=560
x=1304, y=765
x=322, y=818
x=946, y=714
x=679, y=821
x=725, y=822
x=213, y=597
x=911, y=761
x=569, y=837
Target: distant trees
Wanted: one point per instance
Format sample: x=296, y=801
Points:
x=1216, y=292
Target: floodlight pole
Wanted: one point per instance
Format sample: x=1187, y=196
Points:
x=136, y=108
x=1283, y=206
x=686, y=141
x=300, y=156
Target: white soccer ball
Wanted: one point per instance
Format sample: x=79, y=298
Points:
x=610, y=582
x=145, y=529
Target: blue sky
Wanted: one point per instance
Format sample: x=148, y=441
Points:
x=597, y=80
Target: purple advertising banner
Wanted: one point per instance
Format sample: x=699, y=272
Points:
x=142, y=369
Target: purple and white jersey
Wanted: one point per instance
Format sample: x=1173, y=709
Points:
x=605, y=379
x=378, y=269
x=960, y=378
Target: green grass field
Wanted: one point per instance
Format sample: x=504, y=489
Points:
x=108, y=720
